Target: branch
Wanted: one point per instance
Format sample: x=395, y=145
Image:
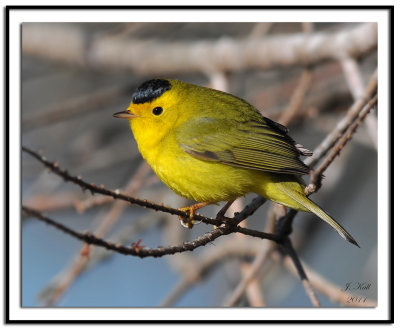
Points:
x=228, y=249
x=69, y=44
x=70, y=108
x=93, y=188
x=316, y=175
x=344, y=123
x=52, y=292
x=287, y=245
x=324, y=286
x=302, y=87
x=81, y=260
x=352, y=73
x=135, y=250
x=230, y=223
x=297, y=98
x=145, y=252
x=250, y=275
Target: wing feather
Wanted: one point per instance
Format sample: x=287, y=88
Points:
x=258, y=145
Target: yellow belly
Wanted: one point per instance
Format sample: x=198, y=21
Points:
x=208, y=181
x=201, y=180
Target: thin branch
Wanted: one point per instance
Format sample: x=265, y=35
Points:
x=250, y=275
x=316, y=175
x=260, y=29
x=107, y=222
x=324, y=286
x=69, y=44
x=230, y=226
x=303, y=85
x=315, y=183
x=53, y=202
x=178, y=291
x=255, y=268
x=297, y=98
x=52, y=292
x=253, y=288
x=254, y=292
x=134, y=251
x=344, y=123
x=70, y=108
x=215, y=257
x=93, y=188
x=231, y=223
x=288, y=247
x=352, y=73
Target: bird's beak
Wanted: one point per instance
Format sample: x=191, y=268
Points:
x=125, y=115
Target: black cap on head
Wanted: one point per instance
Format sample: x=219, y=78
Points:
x=150, y=90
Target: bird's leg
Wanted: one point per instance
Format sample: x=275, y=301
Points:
x=221, y=213
x=190, y=210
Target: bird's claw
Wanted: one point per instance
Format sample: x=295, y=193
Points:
x=187, y=222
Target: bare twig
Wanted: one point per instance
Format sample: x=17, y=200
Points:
x=256, y=266
x=324, y=286
x=73, y=107
x=301, y=90
x=344, y=123
x=52, y=202
x=297, y=98
x=93, y=188
x=51, y=293
x=227, y=249
x=70, y=44
x=287, y=245
x=178, y=291
x=140, y=252
x=316, y=175
x=231, y=222
x=108, y=221
x=253, y=288
x=352, y=73
x=230, y=226
x=260, y=29
x=219, y=81
x=253, y=271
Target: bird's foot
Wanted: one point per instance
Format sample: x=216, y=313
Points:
x=190, y=211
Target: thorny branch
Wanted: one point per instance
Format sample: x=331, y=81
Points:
x=93, y=188
x=227, y=228
x=229, y=225
x=316, y=176
x=342, y=133
x=135, y=250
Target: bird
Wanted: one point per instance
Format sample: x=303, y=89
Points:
x=210, y=146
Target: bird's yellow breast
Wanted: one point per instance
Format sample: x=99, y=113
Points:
x=196, y=179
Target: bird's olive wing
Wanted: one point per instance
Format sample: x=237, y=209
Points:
x=260, y=145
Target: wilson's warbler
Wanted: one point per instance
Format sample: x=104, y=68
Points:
x=211, y=146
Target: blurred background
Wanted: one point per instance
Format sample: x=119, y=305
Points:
x=75, y=76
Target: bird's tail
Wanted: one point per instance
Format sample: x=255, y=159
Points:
x=307, y=205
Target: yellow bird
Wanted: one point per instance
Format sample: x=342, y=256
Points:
x=211, y=146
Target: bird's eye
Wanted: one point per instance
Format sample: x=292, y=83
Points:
x=158, y=110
